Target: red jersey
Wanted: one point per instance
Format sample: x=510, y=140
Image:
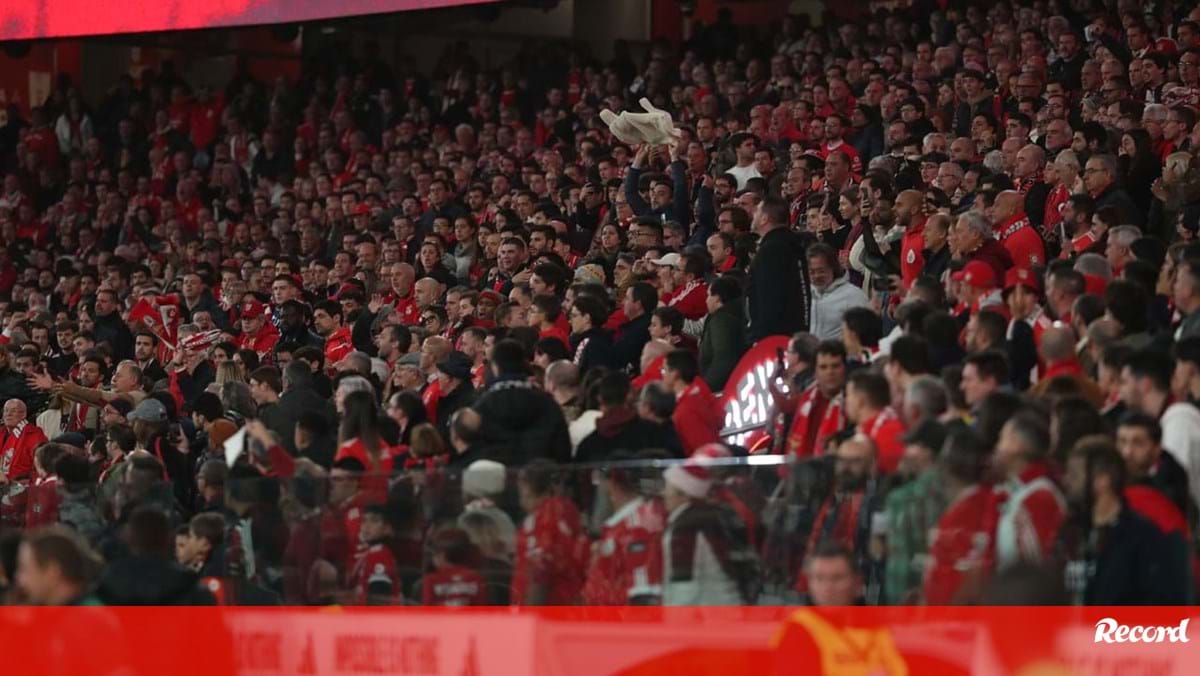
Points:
x=885, y=429
x=691, y=300
x=43, y=142
x=430, y=396
x=453, y=586
x=627, y=559
x=1022, y=241
x=406, y=307
x=556, y=332
x=816, y=419
x=551, y=552
x=1055, y=201
x=42, y=507
x=16, y=449
x=912, y=254
x=262, y=342
x=337, y=346
x=698, y=417
x=961, y=545
x=375, y=574
x=1033, y=509
x=855, y=161
x=189, y=213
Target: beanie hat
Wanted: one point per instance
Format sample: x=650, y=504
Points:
x=483, y=478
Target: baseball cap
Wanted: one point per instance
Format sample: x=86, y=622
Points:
x=671, y=259
x=1025, y=277
x=253, y=309
x=150, y=410
x=483, y=478
x=977, y=274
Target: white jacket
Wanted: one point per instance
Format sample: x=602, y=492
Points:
x=1181, y=438
x=829, y=305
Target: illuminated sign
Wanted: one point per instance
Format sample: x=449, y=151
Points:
x=747, y=397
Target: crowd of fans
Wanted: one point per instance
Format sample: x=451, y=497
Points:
x=384, y=336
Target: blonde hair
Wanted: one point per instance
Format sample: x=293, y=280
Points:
x=484, y=533
x=1178, y=162
x=229, y=372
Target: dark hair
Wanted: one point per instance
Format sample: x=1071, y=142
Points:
x=552, y=275
x=592, y=307
x=865, y=324
x=963, y=454
x=269, y=376
x=1076, y=418
x=614, y=388
x=671, y=318
x=1152, y=364
x=645, y=295
x=872, y=386
x=361, y=421
x=209, y=405
x=331, y=308
x=508, y=356
x=726, y=288
x=831, y=348
x=552, y=348
x=684, y=363
x=550, y=306
x=1146, y=422
x=991, y=364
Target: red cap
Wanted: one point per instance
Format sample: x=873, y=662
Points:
x=363, y=209
x=976, y=273
x=1022, y=277
x=253, y=309
x=491, y=294
x=1166, y=46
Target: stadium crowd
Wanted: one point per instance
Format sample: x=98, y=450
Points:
x=386, y=336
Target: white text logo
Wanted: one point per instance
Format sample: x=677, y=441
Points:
x=1109, y=630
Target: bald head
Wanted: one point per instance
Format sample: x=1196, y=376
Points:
x=1058, y=344
x=1030, y=161
x=428, y=291
x=562, y=374
x=1008, y=204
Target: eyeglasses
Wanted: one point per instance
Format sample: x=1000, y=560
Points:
x=1093, y=170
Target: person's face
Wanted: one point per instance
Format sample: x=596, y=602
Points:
x=830, y=373
x=1183, y=289
x=37, y=583
x=1138, y=449
x=1075, y=480
x=123, y=379
x=14, y=413
x=974, y=387
x=1095, y=177
x=342, y=486
x=833, y=582
x=820, y=272
x=580, y=321
x=324, y=323
x=852, y=465
x=509, y=257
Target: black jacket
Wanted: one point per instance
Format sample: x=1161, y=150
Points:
x=113, y=330
x=448, y=404
x=1116, y=197
x=145, y=581
x=622, y=430
x=722, y=345
x=521, y=423
x=206, y=303
x=291, y=405
x=1134, y=563
x=779, y=286
x=598, y=351
x=13, y=385
x=627, y=350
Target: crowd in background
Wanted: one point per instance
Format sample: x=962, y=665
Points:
x=379, y=335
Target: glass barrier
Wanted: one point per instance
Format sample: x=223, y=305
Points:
x=732, y=531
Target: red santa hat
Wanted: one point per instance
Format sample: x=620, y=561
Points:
x=693, y=477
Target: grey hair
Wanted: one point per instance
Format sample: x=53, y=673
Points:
x=928, y=394
x=355, y=384
x=236, y=396
x=1124, y=235
x=994, y=161
x=1068, y=157
x=1094, y=264
x=1109, y=162
x=658, y=399
x=358, y=362
x=973, y=220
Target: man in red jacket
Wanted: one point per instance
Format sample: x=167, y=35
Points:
x=258, y=334
x=698, y=416
x=18, y=439
x=1013, y=230
x=868, y=405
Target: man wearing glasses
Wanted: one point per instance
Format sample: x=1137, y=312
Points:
x=1100, y=179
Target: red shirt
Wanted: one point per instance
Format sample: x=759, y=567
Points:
x=337, y=346
x=16, y=449
x=453, y=586
x=815, y=420
x=627, y=559
x=556, y=332
x=961, y=545
x=885, y=430
x=406, y=307
x=551, y=552
x=912, y=254
x=375, y=574
x=430, y=396
x=262, y=342
x=374, y=483
x=698, y=417
x=691, y=300
x=1022, y=241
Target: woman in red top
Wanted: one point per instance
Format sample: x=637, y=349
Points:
x=359, y=438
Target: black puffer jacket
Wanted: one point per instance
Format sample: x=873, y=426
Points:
x=779, y=286
x=521, y=423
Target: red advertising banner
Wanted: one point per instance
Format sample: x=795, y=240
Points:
x=584, y=641
x=26, y=19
